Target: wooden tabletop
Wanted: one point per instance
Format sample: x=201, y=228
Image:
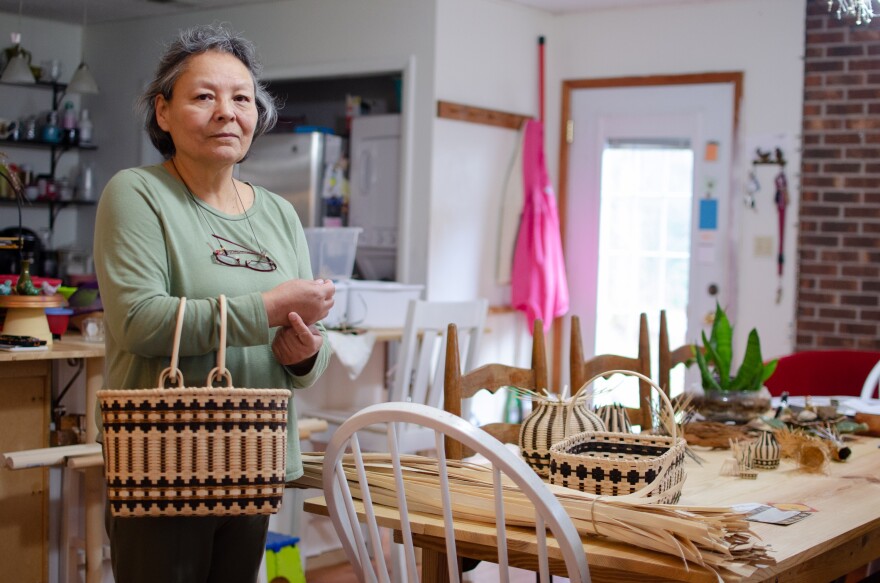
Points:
x=843, y=533
x=70, y=346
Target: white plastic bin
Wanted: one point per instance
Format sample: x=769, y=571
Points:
x=332, y=251
x=380, y=304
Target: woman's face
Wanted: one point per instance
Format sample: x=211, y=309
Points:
x=212, y=111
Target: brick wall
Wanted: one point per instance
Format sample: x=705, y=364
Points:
x=838, y=303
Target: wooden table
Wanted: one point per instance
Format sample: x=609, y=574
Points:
x=842, y=535
x=25, y=414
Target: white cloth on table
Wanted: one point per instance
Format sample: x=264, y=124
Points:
x=352, y=350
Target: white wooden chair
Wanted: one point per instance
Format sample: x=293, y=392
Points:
x=419, y=372
x=363, y=546
x=870, y=388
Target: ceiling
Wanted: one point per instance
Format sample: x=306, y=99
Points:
x=97, y=11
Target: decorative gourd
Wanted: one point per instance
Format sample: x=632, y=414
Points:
x=765, y=452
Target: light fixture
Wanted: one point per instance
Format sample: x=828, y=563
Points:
x=861, y=10
x=18, y=69
x=82, y=81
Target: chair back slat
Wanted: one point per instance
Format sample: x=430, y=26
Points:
x=426, y=363
x=582, y=369
x=501, y=531
x=372, y=525
x=490, y=377
x=668, y=359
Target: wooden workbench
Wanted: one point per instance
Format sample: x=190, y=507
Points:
x=25, y=414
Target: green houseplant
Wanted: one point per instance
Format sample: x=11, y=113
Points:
x=732, y=395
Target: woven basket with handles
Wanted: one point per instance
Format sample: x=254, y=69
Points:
x=610, y=463
x=194, y=451
x=549, y=422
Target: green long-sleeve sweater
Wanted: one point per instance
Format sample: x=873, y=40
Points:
x=153, y=244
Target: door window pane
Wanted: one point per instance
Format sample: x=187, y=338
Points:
x=644, y=250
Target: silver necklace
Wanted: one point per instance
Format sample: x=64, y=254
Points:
x=205, y=219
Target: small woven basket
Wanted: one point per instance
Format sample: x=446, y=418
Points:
x=552, y=421
x=194, y=451
x=606, y=463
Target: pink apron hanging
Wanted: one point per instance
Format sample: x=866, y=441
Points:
x=538, y=282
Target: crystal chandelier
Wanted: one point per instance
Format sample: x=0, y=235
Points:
x=861, y=10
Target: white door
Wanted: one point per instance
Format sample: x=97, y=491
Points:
x=648, y=214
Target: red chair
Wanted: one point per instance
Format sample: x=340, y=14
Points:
x=823, y=372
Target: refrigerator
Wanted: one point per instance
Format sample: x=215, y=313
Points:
x=292, y=165
x=375, y=193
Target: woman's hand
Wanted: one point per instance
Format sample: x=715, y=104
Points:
x=296, y=342
x=311, y=299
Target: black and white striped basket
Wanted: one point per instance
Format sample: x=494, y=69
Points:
x=615, y=418
x=552, y=421
x=610, y=463
x=194, y=451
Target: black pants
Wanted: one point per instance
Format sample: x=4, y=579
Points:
x=187, y=549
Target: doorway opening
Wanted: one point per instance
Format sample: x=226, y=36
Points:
x=358, y=183
x=645, y=210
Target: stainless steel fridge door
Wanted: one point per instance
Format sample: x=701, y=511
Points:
x=291, y=166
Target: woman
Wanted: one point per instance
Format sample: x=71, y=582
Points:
x=188, y=228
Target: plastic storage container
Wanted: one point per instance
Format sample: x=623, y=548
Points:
x=332, y=251
x=380, y=304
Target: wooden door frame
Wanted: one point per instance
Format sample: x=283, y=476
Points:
x=571, y=85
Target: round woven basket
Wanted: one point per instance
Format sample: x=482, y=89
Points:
x=611, y=463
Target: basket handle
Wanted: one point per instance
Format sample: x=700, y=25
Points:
x=220, y=371
x=172, y=373
x=663, y=398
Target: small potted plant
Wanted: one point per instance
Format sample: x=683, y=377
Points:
x=738, y=397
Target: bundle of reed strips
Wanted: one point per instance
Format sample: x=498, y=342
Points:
x=714, y=537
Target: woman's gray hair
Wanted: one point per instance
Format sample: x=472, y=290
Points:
x=189, y=43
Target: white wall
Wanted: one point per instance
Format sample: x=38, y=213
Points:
x=764, y=40
x=487, y=56
x=294, y=38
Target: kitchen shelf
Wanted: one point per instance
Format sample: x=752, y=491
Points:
x=57, y=149
x=46, y=145
x=54, y=206
x=58, y=89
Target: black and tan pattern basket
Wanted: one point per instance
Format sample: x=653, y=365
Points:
x=549, y=422
x=194, y=451
x=606, y=463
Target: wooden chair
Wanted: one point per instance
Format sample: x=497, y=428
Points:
x=491, y=377
x=669, y=359
x=363, y=547
x=583, y=370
